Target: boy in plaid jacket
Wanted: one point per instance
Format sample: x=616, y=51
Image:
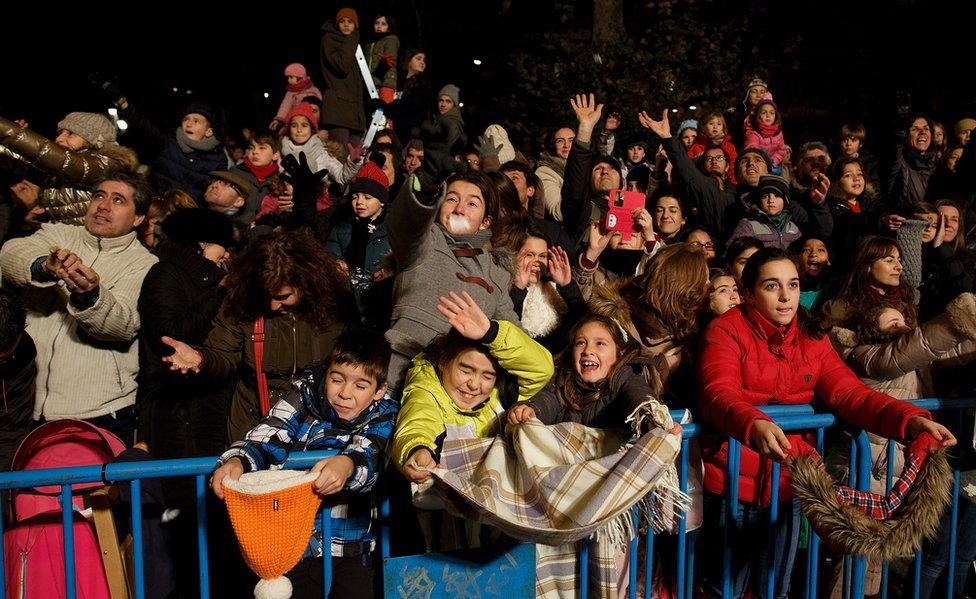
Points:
x=339, y=404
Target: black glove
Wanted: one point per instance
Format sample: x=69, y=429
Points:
x=436, y=168
x=109, y=89
x=304, y=181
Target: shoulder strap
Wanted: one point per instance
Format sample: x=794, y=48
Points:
x=258, y=338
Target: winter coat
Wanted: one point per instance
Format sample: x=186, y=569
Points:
x=18, y=374
x=850, y=227
x=410, y=109
x=70, y=174
x=377, y=248
x=427, y=411
x=252, y=203
x=291, y=343
x=908, y=177
x=430, y=263
x=901, y=367
x=549, y=170
x=946, y=272
x=93, y=348
x=342, y=100
x=760, y=226
x=383, y=74
x=444, y=133
x=547, y=312
x=293, y=99
x=747, y=361
x=615, y=400
x=172, y=167
x=180, y=297
x=703, y=142
x=702, y=193
x=774, y=146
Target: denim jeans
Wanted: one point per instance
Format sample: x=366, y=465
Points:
x=935, y=554
x=752, y=554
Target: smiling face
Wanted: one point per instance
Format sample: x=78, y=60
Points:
x=463, y=210
x=814, y=257
x=299, y=130
x=920, y=135
x=756, y=93
x=951, y=214
x=703, y=241
x=111, y=211
x=723, y=295
x=887, y=270
x=594, y=352
x=349, y=389
x=469, y=378
x=536, y=252
x=668, y=218
x=777, y=291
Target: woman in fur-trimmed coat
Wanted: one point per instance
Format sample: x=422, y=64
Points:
x=893, y=355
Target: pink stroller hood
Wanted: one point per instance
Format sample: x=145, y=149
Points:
x=60, y=444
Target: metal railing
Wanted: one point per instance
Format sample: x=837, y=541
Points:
x=789, y=418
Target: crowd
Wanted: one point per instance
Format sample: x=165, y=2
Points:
x=313, y=293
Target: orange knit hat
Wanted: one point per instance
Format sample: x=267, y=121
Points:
x=272, y=512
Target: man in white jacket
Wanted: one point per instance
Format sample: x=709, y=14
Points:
x=81, y=289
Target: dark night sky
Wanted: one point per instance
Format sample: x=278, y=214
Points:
x=855, y=55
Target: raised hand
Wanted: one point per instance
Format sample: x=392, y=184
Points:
x=559, y=269
x=613, y=121
x=939, y=238
x=588, y=112
x=660, y=128
x=355, y=152
x=184, y=358
x=464, y=315
x=598, y=241
x=642, y=218
x=523, y=270
x=818, y=191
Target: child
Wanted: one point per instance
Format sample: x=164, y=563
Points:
x=301, y=137
x=359, y=236
x=260, y=168
x=381, y=56
x=456, y=388
x=814, y=267
x=723, y=294
x=599, y=382
x=340, y=403
x=764, y=131
x=756, y=89
x=185, y=159
x=300, y=86
x=715, y=134
x=770, y=220
x=343, y=111
x=688, y=132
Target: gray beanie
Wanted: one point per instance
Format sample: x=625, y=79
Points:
x=451, y=91
x=97, y=129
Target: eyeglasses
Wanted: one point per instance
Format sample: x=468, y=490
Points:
x=708, y=245
x=715, y=159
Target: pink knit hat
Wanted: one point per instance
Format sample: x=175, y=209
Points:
x=296, y=69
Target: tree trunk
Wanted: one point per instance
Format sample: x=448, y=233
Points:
x=608, y=21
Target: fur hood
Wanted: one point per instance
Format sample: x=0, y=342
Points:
x=127, y=156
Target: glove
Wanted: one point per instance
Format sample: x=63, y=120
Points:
x=304, y=181
x=110, y=89
x=436, y=168
x=487, y=146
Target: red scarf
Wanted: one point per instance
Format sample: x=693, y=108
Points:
x=767, y=130
x=261, y=172
x=302, y=84
x=854, y=205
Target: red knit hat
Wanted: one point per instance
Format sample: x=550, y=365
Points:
x=348, y=13
x=305, y=110
x=371, y=180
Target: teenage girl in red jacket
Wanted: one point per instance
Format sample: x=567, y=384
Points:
x=762, y=353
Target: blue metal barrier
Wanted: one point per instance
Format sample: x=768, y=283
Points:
x=789, y=418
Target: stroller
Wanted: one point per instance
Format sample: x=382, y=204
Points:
x=33, y=539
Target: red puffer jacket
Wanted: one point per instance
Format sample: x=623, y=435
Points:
x=748, y=361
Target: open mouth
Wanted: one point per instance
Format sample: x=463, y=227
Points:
x=587, y=366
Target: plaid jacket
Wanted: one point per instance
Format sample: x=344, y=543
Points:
x=304, y=420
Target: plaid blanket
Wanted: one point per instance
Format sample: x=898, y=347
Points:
x=555, y=485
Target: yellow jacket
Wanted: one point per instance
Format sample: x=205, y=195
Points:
x=426, y=409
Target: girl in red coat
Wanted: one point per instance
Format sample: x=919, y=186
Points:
x=760, y=353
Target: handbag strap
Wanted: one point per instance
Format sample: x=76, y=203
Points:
x=258, y=338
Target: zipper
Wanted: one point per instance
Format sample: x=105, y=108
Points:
x=294, y=345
